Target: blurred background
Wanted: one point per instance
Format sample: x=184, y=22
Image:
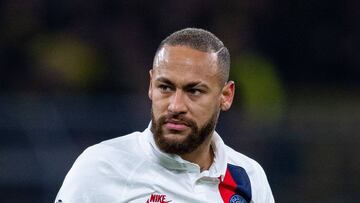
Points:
x=74, y=73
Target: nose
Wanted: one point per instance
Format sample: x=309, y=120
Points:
x=177, y=103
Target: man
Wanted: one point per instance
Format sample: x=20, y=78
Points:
x=179, y=157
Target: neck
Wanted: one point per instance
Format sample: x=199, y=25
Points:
x=203, y=155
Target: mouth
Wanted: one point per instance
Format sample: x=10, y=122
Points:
x=174, y=125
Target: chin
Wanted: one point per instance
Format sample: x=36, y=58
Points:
x=175, y=137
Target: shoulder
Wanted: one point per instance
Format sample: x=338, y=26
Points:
x=111, y=151
x=117, y=153
x=103, y=167
x=126, y=143
x=239, y=159
x=255, y=173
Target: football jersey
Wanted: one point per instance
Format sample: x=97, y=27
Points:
x=131, y=168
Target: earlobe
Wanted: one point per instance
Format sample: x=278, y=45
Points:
x=225, y=106
x=227, y=96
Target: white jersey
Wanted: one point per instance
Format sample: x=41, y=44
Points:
x=132, y=169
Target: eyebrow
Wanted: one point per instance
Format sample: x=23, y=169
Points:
x=164, y=80
x=187, y=86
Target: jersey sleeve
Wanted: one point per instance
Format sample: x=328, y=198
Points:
x=262, y=190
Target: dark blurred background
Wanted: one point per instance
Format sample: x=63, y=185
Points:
x=75, y=72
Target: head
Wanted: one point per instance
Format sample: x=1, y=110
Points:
x=189, y=87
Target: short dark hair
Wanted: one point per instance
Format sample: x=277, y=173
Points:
x=204, y=41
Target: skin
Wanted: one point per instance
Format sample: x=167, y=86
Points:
x=185, y=81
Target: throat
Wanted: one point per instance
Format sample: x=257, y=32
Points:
x=202, y=157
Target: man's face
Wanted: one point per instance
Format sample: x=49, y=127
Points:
x=186, y=98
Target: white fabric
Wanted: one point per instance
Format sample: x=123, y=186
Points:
x=132, y=169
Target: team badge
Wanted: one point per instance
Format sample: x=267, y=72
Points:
x=237, y=199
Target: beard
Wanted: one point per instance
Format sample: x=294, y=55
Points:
x=191, y=142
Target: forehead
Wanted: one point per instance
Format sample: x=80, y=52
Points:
x=186, y=62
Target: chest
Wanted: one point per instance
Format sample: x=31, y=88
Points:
x=161, y=185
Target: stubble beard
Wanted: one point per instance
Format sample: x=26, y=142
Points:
x=191, y=142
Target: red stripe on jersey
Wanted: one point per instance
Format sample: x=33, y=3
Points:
x=227, y=187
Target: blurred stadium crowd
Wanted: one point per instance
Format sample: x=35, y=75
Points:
x=74, y=73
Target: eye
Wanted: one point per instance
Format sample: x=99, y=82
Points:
x=164, y=88
x=195, y=91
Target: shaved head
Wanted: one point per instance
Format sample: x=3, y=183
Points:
x=201, y=40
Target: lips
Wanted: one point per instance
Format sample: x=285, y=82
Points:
x=176, y=125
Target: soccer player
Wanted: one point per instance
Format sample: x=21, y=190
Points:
x=179, y=157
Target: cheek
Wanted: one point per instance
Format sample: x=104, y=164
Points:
x=158, y=105
x=204, y=110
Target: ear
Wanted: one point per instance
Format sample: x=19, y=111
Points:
x=150, y=85
x=227, y=95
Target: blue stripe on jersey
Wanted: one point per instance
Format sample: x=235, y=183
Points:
x=242, y=180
